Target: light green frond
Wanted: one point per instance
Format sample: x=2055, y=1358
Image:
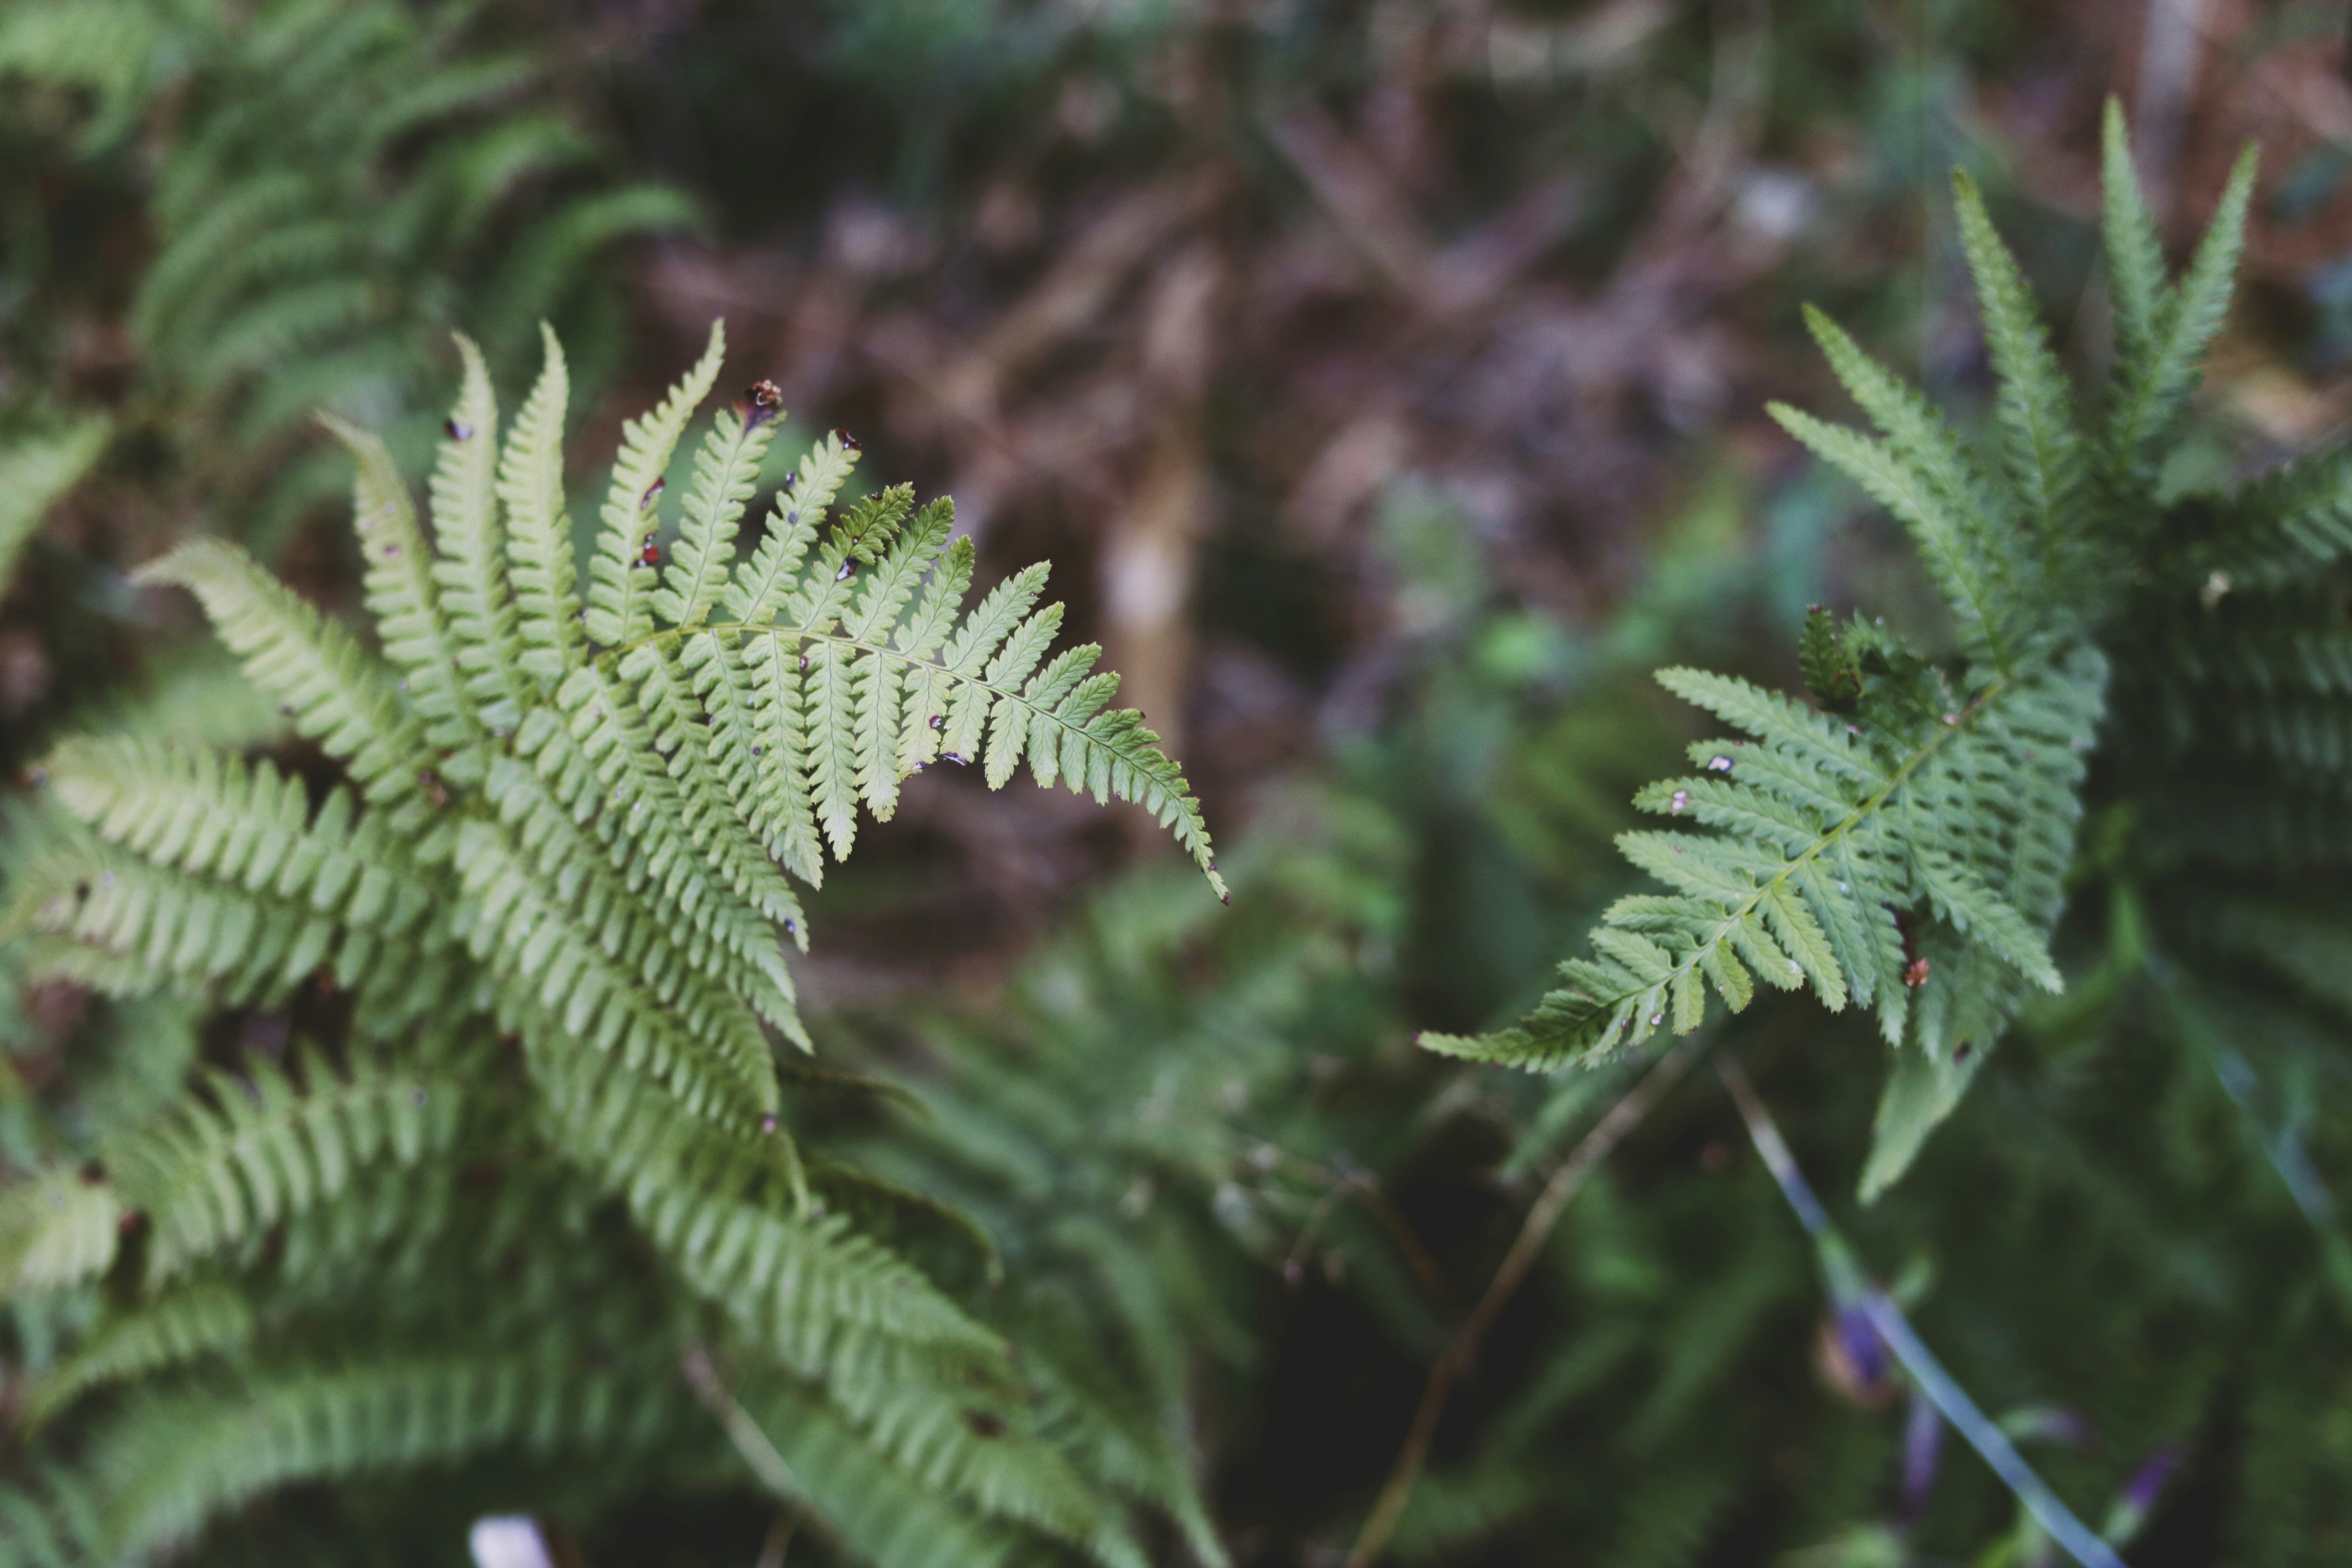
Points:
x=402, y=593
x=812, y=1455
x=56, y=1230
x=705, y=812
x=865, y=676
x=472, y=565
x=1918, y=472
x=704, y=1044
x=759, y=584
x=2153, y=383
x=589, y=884
x=645, y=847
x=725, y=473
x=2043, y=453
x=339, y=696
x=2142, y=297
x=585, y=869
x=539, y=534
x=620, y=593
x=180, y=1325
x=108, y=920
x=36, y=472
x=217, y=817
x=171, y=1461
x=758, y=741
x=255, y=1149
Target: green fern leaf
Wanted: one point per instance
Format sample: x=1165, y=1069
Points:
x=56, y=1230
x=2154, y=379
x=2043, y=454
x=619, y=606
x=174, y=1461
x=538, y=532
x=271, y=1146
x=1919, y=473
x=36, y=473
x=337, y=696
x=182, y=1325
x=2142, y=297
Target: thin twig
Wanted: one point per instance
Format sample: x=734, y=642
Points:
x=742, y=1431
x=1461, y=1352
x=2281, y=1146
x=1928, y=1375
x=1365, y=1190
x=779, y=1542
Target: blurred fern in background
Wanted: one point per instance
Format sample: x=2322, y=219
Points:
x=326, y=189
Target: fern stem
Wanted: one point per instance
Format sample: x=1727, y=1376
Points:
x=1461, y=1352
x=751, y=1443
x=779, y=1541
x=1365, y=1189
x=1895, y=1330
x=2280, y=1146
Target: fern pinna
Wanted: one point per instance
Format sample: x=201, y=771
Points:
x=1902, y=842
x=571, y=820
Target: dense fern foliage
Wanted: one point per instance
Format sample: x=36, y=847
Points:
x=1902, y=841
x=1201, y=1146
x=569, y=818
x=439, y=1134
x=341, y=185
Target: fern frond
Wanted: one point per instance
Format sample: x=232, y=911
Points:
x=237, y=886
x=756, y=590
x=180, y=1326
x=273, y=1144
x=339, y=696
x=36, y=472
x=172, y=1461
x=56, y=1230
x=805, y=1287
x=538, y=532
x=957, y=1444
x=2161, y=360
x=594, y=883
x=1910, y=847
x=2142, y=297
x=1824, y=836
x=703, y=1043
x=247, y=824
x=2043, y=455
x=403, y=594
x=572, y=844
x=123, y=926
x=471, y=568
x=1918, y=471
x=619, y=600
x=725, y=473
x=885, y=1517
